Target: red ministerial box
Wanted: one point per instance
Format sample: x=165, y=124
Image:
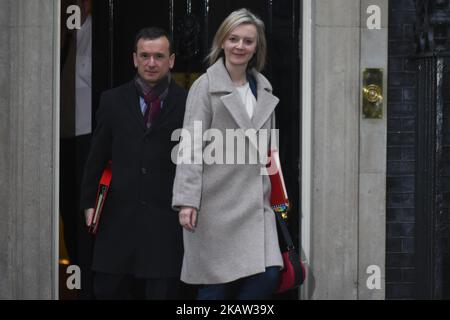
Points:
x=102, y=192
x=279, y=198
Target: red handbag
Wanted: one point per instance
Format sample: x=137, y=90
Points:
x=293, y=274
x=102, y=192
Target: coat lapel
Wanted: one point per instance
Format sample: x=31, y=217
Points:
x=266, y=102
x=234, y=105
x=133, y=104
x=220, y=82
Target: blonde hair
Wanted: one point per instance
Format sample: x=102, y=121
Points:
x=236, y=18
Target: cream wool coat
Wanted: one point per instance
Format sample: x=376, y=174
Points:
x=236, y=232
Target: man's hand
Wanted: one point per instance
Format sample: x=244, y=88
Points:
x=89, y=215
x=188, y=218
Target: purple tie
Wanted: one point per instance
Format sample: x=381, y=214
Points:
x=153, y=108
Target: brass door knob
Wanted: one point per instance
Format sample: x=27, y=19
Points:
x=372, y=93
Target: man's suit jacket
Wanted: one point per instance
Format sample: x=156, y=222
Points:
x=139, y=233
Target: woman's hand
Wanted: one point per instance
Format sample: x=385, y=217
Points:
x=188, y=218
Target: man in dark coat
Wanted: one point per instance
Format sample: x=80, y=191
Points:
x=139, y=239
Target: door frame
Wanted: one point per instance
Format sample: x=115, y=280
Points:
x=56, y=150
x=306, y=81
x=305, y=52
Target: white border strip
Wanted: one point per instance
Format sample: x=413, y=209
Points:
x=307, y=138
x=56, y=126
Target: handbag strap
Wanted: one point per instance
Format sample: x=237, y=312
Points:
x=278, y=215
x=284, y=230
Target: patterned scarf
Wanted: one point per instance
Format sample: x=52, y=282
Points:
x=153, y=96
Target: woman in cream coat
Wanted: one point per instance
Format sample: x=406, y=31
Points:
x=230, y=236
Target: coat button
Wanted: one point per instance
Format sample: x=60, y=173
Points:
x=144, y=170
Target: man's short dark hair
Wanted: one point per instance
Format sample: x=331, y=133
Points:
x=153, y=33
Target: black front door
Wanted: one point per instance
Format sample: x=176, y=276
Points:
x=193, y=24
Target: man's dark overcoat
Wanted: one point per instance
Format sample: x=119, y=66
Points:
x=139, y=233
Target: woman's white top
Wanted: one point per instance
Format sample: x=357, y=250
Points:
x=248, y=98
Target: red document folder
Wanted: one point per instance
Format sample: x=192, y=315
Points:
x=279, y=197
x=103, y=188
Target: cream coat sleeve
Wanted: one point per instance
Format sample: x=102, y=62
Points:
x=187, y=187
